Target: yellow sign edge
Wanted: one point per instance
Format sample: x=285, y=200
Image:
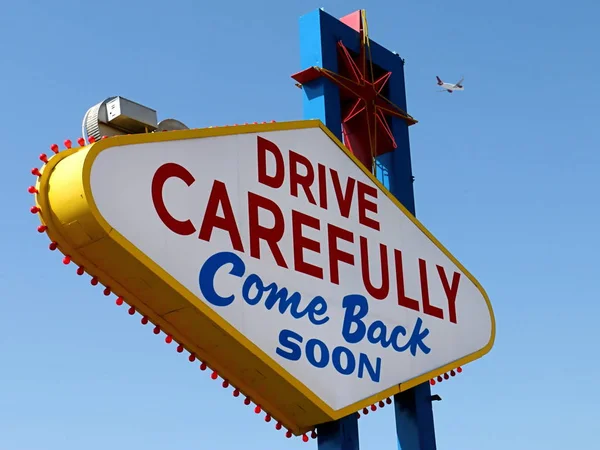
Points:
x=116, y=141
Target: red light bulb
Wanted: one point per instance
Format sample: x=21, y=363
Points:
x=278, y=426
x=225, y=384
x=131, y=311
x=365, y=411
x=373, y=408
x=313, y=434
x=91, y=139
x=288, y=434
x=168, y=339
x=246, y=401
x=304, y=438
x=35, y=171
x=66, y=260
x=68, y=143
x=388, y=401
x=104, y=137
x=54, y=148
x=459, y=369
x=156, y=330
x=203, y=366
x=81, y=142
x=432, y=382
x=381, y=404
x=32, y=190
x=440, y=379
x=106, y=291
x=53, y=246
x=34, y=210
x=180, y=348
x=43, y=158
x=214, y=375
x=42, y=228
x=236, y=392
x=94, y=281
x=144, y=320
x=452, y=373
x=257, y=409
x=446, y=376
x=192, y=357
x=119, y=301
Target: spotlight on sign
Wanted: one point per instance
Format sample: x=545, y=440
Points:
x=116, y=116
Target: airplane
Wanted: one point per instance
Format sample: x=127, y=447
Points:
x=449, y=86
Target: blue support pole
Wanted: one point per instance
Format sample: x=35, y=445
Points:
x=322, y=101
x=414, y=419
x=339, y=435
x=414, y=410
x=319, y=33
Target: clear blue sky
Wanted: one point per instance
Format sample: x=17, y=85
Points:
x=506, y=178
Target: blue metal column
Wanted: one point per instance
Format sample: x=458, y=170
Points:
x=319, y=33
x=414, y=410
x=322, y=101
x=414, y=419
x=339, y=435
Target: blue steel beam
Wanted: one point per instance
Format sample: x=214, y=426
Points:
x=319, y=34
x=339, y=435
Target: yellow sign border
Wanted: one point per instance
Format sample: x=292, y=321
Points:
x=97, y=147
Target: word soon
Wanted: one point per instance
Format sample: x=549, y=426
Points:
x=342, y=358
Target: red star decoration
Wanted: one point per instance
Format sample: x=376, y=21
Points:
x=365, y=110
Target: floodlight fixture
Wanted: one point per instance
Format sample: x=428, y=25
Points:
x=118, y=115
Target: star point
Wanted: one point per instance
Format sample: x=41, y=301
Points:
x=365, y=109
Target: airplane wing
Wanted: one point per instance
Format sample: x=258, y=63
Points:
x=459, y=84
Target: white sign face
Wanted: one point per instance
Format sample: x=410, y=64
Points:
x=294, y=245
